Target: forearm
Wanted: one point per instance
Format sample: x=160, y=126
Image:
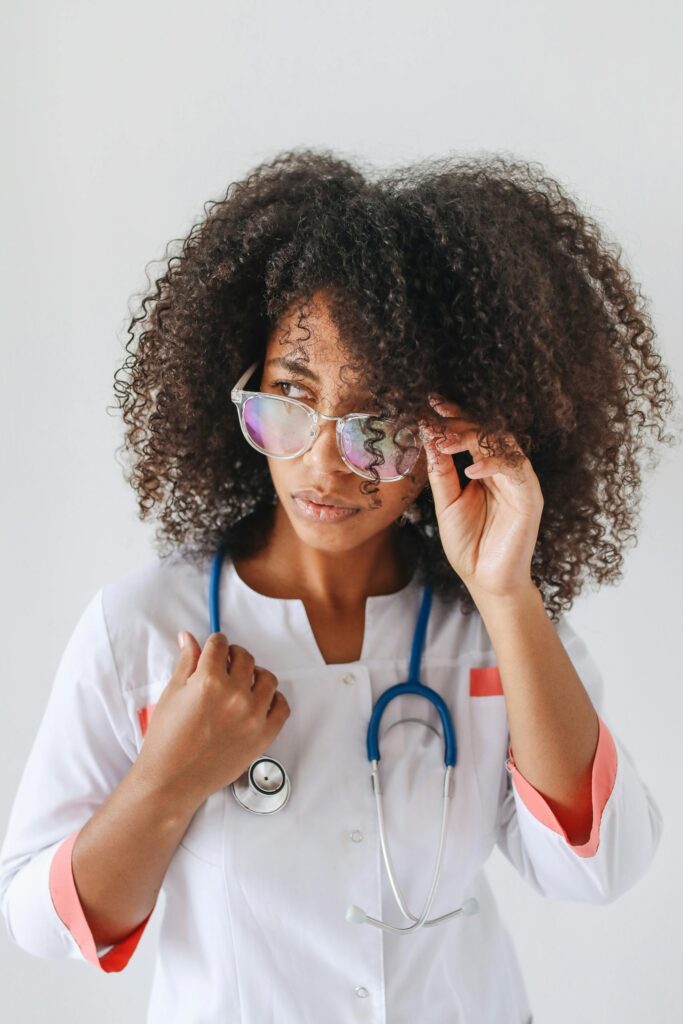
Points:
x=553, y=724
x=121, y=855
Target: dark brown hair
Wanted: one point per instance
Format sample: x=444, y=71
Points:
x=478, y=278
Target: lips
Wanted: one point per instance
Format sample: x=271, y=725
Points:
x=323, y=499
x=324, y=513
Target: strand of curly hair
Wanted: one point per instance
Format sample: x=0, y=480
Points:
x=478, y=277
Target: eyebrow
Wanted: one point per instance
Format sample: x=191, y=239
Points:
x=294, y=366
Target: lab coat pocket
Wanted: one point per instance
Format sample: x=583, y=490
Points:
x=489, y=732
x=203, y=836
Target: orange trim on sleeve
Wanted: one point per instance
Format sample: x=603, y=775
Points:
x=485, y=682
x=603, y=777
x=144, y=715
x=68, y=906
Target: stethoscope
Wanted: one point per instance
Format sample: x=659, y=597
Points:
x=265, y=787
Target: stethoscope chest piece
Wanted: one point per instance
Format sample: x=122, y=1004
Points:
x=264, y=787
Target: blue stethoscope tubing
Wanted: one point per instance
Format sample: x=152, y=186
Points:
x=413, y=687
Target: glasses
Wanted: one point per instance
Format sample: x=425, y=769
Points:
x=284, y=428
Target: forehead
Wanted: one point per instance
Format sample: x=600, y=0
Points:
x=306, y=341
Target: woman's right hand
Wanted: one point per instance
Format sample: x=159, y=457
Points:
x=211, y=721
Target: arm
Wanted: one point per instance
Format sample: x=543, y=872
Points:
x=553, y=724
x=120, y=856
x=78, y=788
x=538, y=834
x=95, y=822
x=566, y=754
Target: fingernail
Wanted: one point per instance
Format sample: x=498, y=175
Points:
x=181, y=640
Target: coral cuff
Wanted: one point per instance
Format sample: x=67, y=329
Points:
x=603, y=778
x=68, y=906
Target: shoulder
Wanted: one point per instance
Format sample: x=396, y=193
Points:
x=144, y=609
x=581, y=657
x=152, y=587
x=455, y=635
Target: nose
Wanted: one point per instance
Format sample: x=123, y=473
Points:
x=324, y=455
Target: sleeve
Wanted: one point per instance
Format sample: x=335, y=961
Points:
x=626, y=824
x=83, y=748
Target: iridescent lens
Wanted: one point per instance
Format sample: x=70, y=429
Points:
x=283, y=428
x=397, y=461
x=280, y=428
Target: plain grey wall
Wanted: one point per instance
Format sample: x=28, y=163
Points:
x=121, y=120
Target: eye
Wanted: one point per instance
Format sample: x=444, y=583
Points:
x=287, y=384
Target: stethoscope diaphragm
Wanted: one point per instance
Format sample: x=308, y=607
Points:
x=264, y=787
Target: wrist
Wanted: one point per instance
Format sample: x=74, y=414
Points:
x=165, y=800
x=523, y=599
x=523, y=591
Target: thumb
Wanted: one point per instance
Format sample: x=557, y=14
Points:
x=189, y=655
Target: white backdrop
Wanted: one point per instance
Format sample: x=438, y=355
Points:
x=120, y=121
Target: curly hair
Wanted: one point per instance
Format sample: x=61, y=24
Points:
x=475, y=277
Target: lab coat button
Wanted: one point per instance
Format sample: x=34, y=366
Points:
x=361, y=992
x=348, y=678
x=356, y=835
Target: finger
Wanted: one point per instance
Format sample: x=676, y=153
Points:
x=438, y=401
x=451, y=413
x=449, y=410
x=214, y=656
x=279, y=711
x=460, y=441
x=452, y=424
x=187, y=660
x=451, y=431
x=241, y=667
x=442, y=475
x=450, y=418
x=264, y=686
x=468, y=440
x=490, y=465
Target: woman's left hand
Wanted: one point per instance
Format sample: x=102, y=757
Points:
x=489, y=528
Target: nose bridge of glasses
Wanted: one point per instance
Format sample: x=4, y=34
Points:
x=332, y=433
x=323, y=416
x=333, y=437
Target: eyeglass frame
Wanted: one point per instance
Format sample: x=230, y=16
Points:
x=239, y=396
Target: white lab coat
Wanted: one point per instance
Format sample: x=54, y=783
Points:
x=254, y=927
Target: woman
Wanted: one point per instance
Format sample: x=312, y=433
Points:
x=363, y=394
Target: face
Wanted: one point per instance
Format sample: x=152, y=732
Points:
x=315, y=346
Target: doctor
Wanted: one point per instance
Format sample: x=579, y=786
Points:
x=315, y=626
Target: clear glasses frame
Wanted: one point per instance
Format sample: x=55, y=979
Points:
x=239, y=396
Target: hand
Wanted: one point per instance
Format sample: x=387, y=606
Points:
x=488, y=529
x=211, y=721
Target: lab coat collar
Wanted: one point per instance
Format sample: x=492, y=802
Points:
x=389, y=621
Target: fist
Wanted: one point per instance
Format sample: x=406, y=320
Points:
x=218, y=712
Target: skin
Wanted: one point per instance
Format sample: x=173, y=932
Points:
x=331, y=566
x=219, y=710
x=489, y=531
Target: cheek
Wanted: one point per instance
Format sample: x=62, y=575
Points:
x=395, y=497
x=282, y=472
x=398, y=496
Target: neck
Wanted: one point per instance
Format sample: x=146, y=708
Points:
x=336, y=580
